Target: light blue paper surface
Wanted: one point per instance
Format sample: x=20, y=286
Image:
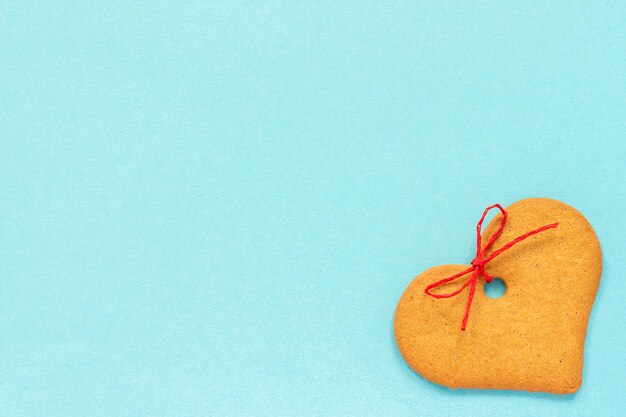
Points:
x=212, y=208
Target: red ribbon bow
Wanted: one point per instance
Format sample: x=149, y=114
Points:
x=478, y=263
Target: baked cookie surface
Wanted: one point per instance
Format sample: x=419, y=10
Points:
x=532, y=338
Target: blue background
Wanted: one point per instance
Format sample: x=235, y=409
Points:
x=212, y=208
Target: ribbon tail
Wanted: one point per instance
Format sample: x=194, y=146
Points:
x=470, y=299
x=519, y=239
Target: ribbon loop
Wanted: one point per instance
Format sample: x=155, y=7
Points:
x=479, y=262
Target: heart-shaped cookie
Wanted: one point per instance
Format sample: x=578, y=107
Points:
x=532, y=338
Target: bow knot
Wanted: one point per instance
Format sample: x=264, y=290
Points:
x=478, y=263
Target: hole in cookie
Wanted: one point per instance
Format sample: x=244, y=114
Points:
x=495, y=289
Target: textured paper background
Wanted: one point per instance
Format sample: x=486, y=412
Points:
x=213, y=208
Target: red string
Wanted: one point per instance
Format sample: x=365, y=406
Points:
x=478, y=263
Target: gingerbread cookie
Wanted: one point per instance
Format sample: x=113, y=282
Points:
x=532, y=338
